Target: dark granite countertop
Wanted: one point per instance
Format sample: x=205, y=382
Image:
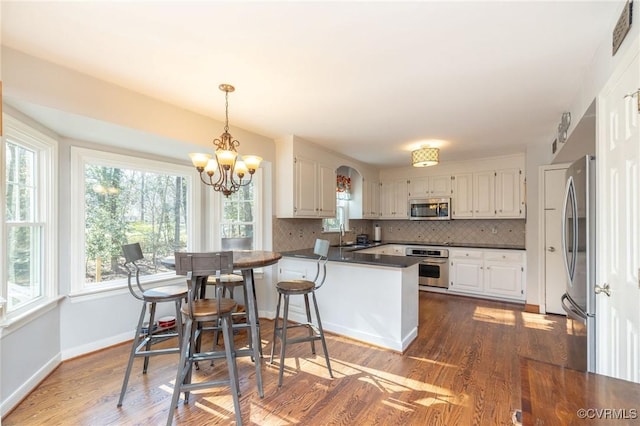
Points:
x=351, y=255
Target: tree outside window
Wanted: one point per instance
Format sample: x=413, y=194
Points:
x=124, y=206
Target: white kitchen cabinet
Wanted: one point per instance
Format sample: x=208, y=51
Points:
x=393, y=199
x=370, y=199
x=462, y=196
x=488, y=194
x=484, y=195
x=430, y=186
x=315, y=189
x=466, y=271
x=509, y=193
x=503, y=274
x=495, y=274
x=305, y=180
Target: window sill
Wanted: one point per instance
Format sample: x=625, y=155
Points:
x=98, y=293
x=13, y=322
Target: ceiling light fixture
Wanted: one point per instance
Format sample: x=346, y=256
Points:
x=425, y=157
x=224, y=170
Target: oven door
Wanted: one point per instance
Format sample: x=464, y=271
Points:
x=434, y=271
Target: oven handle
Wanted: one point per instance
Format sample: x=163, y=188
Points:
x=435, y=260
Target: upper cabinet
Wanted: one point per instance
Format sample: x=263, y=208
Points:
x=305, y=180
x=430, y=186
x=489, y=194
x=370, y=198
x=394, y=199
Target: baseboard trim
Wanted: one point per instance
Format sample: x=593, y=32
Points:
x=533, y=309
x=32, y=382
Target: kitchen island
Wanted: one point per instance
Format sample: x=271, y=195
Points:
x=368, y=297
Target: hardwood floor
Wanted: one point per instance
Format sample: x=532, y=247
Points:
x=463, y=369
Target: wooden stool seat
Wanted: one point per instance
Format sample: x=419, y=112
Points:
x=295, y=286
x=165, y=293
x=205, y=310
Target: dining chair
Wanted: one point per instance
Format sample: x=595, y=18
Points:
x=302, y=287
x=143, y=341
x=198, y=267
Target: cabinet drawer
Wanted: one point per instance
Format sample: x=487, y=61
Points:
x=503, y=257
x=465, y=254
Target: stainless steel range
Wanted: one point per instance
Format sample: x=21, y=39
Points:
x=434, y=269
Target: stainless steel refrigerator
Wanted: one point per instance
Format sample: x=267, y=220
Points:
x=578, y=244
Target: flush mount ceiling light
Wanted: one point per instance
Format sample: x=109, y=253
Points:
x=224, y=170
x=425, y=157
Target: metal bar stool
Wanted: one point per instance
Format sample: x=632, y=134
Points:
x=302, y=287
x=199, y=267
x=142, y=342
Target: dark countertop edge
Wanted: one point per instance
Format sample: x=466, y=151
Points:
x=457, y=245
x=352, y=256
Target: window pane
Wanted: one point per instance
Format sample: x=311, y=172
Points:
x=126, y=206
x=24, y=257
x=20, y=176
x=237, y=225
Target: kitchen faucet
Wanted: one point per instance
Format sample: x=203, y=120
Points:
x=341, y=233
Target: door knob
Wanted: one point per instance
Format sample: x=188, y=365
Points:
x=552, y=249
x=604, y=289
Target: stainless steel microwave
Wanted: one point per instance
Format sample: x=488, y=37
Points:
x=430, y=209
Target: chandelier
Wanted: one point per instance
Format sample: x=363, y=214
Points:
x=224, y=171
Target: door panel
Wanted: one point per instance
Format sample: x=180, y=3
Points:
x=618, y=159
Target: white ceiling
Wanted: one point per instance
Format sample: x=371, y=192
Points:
x=368, y=79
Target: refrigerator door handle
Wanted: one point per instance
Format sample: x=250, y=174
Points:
x=569, y=197
x=572, y=310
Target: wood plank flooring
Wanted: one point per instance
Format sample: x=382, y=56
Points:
x=463, y=369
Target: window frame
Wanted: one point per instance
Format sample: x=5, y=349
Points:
x=45, y=215
x=215, y=200
x=80, y=157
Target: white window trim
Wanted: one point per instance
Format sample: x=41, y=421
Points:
x=47, y=149
x=80, y=157
x=213, y=201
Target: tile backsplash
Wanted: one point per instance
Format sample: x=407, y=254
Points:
x=295, y=234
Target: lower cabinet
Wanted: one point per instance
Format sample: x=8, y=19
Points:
x=495, y=274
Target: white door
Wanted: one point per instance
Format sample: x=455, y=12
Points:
x=618, y=217
x=555, y=277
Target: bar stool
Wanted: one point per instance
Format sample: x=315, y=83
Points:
x=302, y=287
x=172, y=293
x=199, y=267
